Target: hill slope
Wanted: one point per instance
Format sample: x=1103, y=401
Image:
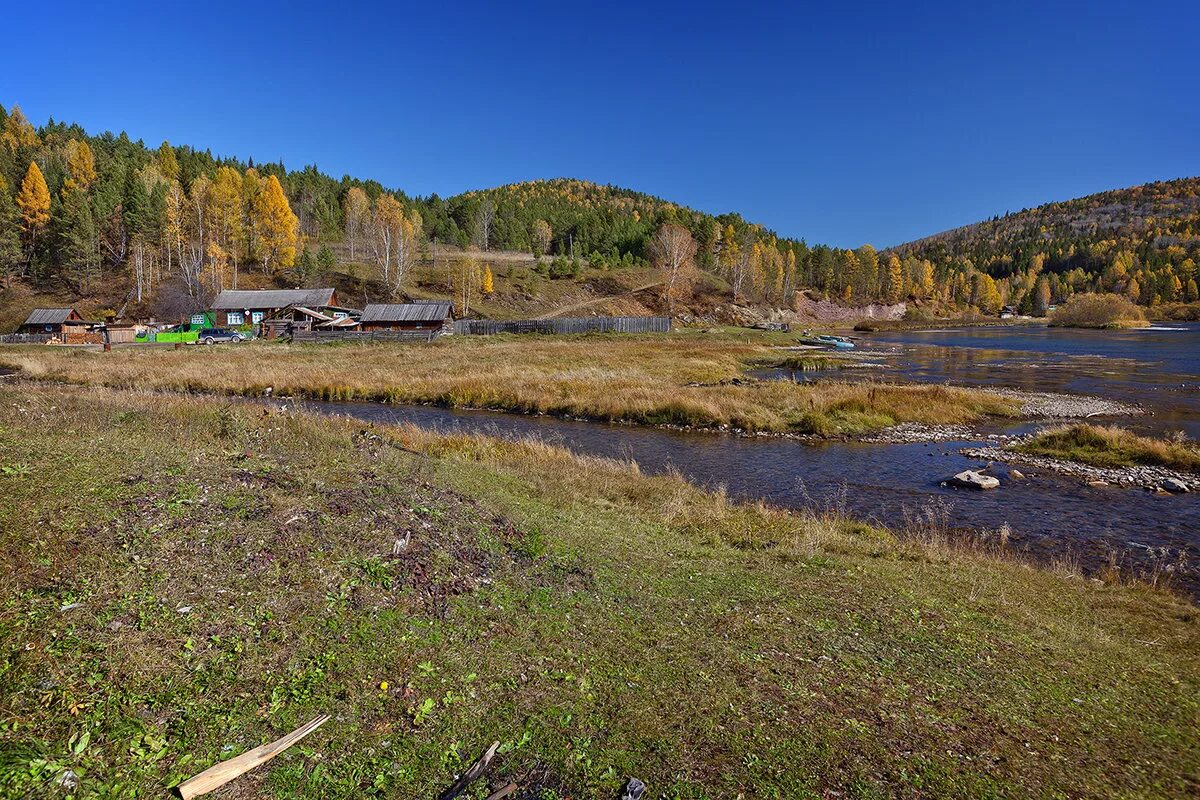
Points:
x=116, y=225
x=1142, y=241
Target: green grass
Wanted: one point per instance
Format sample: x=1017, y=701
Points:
x=233, y=573
x=1105, y=446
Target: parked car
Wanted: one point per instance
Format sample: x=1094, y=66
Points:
x=215, y=335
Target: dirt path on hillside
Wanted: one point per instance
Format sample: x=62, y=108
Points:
x=576, y=306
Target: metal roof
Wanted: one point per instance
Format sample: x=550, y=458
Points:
x=49, y=316
x=435, y=311
x=238, y=299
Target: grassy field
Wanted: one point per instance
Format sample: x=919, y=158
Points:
x=682, y=378
x=190, y=577
x=1105, y=446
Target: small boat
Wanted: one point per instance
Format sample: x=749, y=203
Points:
x=826, y=340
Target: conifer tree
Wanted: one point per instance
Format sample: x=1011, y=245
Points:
x=81, y=166
x=33, y=201
x=10, y=238
x=276, y=227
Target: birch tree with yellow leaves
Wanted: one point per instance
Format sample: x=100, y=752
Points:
x=394, y=241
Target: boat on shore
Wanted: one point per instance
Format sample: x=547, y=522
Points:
x=827, y=340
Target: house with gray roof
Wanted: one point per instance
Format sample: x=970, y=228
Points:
x=235, y=308
x=49, y=320
x=427, y=315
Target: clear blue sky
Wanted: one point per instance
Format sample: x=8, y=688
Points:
x=869, y=123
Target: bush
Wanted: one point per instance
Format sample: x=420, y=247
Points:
x=1099, y=311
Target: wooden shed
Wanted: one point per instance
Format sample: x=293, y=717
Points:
x=49, y=320
x=430, y=315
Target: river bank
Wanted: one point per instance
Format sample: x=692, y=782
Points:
x=232, y=570
x=688, y=380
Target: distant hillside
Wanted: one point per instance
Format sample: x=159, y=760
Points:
x=121, y=227
x=1143, y=241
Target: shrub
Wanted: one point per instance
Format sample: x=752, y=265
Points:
x=1099, y=311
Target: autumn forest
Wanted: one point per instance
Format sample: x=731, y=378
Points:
x=78, y=211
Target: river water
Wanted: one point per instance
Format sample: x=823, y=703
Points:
x=1049, y=516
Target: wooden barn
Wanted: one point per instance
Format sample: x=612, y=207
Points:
x=237, y=308
x=430, y=315
x=50, y=320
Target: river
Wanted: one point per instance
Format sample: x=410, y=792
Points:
x=1049, y=516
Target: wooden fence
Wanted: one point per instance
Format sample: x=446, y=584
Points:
x=364, y=336
x=26, y=338
x=563, y=325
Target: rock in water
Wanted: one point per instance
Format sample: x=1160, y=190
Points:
x=1175, y=486
x=970, y=479
x=1016, y=474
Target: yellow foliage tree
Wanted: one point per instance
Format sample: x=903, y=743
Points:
x=488, y=284
x=33, y=201
x=541, y=234
x=18, y=133
x=276, y=228
x=895, y=279
x=223, y=205
x=81, y=166
x=357, y=208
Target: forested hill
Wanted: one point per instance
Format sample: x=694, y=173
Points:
x=87, y=214
x=1143, y=241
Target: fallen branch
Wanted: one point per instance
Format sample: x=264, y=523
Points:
x=473, y=772
x=503, y=791
x=220, y=774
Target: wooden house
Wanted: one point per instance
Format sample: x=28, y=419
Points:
x=429, y=315
x=50, y=320
x=237, y=308
x=302, y=318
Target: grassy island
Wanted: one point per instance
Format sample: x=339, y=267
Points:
x=1106, y=446
x=685, y=378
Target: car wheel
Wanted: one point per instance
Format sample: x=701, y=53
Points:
x=210, y=340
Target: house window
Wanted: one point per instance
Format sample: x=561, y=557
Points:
x=198, y=319
x=256, y=317
x=340, y=315
x=235, y=318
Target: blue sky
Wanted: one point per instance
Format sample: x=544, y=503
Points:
x=861, y=123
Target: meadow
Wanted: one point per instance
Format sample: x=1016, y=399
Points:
x=191, y=579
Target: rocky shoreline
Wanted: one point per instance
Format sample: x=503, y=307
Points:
x=1146, y=477
x=1052, y=405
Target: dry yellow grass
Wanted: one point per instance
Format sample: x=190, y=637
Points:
x=680, y=379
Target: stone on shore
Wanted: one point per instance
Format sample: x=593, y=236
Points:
x=970, y=479
x=1175, y=486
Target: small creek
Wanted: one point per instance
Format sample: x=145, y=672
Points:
x=1049, y=516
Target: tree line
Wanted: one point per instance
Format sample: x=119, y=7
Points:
x=1142, y=242
x=83, y=209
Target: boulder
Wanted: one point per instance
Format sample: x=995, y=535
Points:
x=970, y=479
x=1175, y=486
x=1016, y=474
